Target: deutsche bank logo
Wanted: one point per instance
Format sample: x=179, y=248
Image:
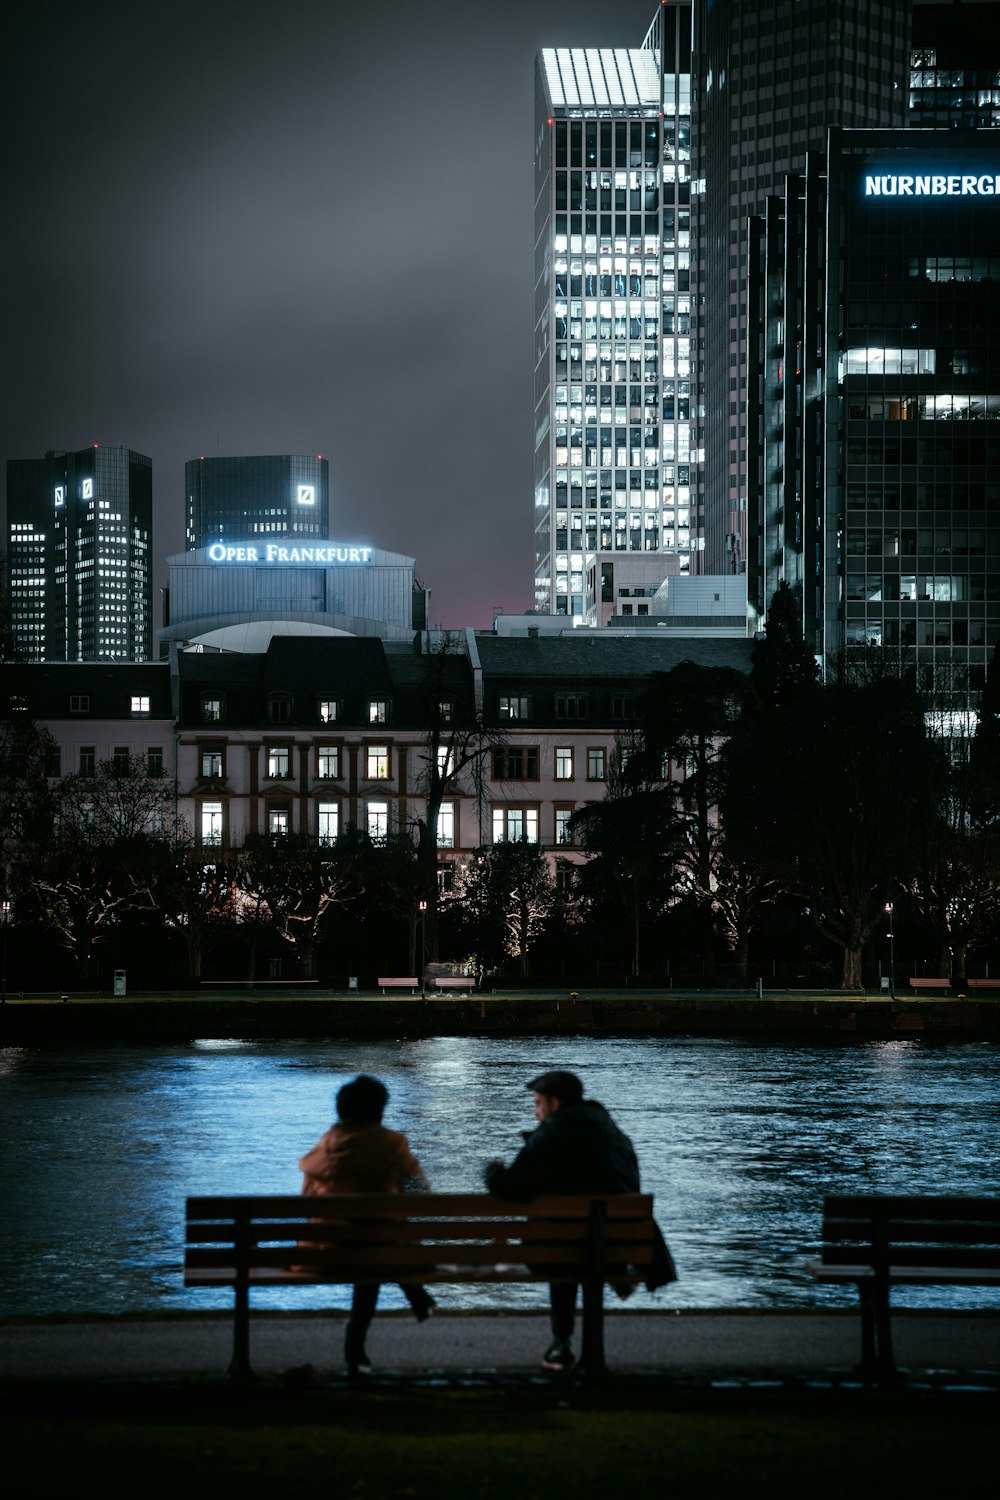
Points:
x=87, y=492
x=919, y=185
x=306, y=494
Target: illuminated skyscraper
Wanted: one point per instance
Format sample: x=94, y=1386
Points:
x=269, y=495
x=80, y=541
x=612, y=309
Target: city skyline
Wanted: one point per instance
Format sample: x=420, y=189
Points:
x=205, y=259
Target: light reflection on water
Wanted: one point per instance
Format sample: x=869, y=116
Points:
x=739, y=1141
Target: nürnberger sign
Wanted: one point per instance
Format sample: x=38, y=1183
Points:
x=931, y=185
x=277, y=552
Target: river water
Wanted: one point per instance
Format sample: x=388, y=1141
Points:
x=739, y=1140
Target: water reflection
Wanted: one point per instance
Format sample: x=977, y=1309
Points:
x=738, y=1140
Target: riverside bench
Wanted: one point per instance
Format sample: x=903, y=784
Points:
x=399, y=983
x=248, y=1242
x=879, y=1242
x=453, y=982
x=930, y=984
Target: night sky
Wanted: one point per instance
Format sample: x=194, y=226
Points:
x=245, y=226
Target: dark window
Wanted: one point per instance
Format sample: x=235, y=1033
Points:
x=516, y=763
x=154, y=760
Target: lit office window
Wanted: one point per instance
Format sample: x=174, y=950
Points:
x=377, y=762
x=211, y=823
x=596, y=764
x=512, y=824
x=278, y=822
x=328, y=823
x=328, y=762
x=377, y=820
x=211, y=762
x=446, y=826
x=329, y=709
x=564, y=763
x=140, y=704
x=377, y=711
x=277, y=760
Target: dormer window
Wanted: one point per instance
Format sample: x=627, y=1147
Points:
x=211, y=709
x=329, y=710
x=279, y=710
x=79, y=703
x=515, y=708
x=378, y=710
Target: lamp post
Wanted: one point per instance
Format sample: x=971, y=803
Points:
x=5, y=910
x=423, y=950
x=892, y=954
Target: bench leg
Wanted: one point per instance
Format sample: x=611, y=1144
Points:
x=592, y=1361
x=878, y=1360
x=240, y=1371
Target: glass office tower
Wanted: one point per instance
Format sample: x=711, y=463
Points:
x=612, y=309
x=80, y=541
x=262, y=496
x=770, y=77
x=881, y=412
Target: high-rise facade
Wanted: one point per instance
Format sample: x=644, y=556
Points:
x=257, y=497
x=770, y=78
x=80, y=533
x=612, y=309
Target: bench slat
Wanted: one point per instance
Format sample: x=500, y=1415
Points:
x=401, y=1233
x=414, y=1206
x=912, y=1206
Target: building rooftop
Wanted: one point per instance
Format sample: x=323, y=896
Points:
x=596, y=78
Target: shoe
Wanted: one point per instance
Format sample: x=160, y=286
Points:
x=358, y=1369
x=426, y=1310
x=558, y=1356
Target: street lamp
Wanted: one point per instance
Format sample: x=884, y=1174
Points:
x=892, y=954
x=5, y=911
x=423, y=950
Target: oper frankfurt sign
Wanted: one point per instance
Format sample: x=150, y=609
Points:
x=327, y=554
x=926, y=185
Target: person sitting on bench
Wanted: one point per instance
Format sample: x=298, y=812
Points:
x=359, y=1155
x=576, y=1149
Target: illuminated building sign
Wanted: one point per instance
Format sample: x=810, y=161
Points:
x=326, y=554
x=306, y=494
x=938, y=185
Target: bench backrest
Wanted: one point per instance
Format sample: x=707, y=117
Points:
x=419, y=1236
x=953, y=1233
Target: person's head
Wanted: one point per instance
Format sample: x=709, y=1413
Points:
x=362, y=1101
x=554, y=1090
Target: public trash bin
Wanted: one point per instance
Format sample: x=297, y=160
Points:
x=119, y=983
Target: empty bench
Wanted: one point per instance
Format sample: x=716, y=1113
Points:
x=880, y=1242
x=453, y=982
x=247, y=1242
x=929, y=984
x=398, y=983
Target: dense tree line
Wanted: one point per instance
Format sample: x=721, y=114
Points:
x=751, y=826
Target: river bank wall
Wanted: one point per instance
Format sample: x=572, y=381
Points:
x=840, y=1018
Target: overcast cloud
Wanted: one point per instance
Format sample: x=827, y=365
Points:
x=269, y=227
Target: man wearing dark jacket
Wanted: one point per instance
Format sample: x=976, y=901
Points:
x=576, y=1148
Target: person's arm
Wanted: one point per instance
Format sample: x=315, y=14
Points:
x=528, y=1174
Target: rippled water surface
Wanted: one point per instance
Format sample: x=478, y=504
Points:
x=739, y=1141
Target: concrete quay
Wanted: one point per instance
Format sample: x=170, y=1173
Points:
x=702, y=1347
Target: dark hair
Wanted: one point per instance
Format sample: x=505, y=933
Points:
x=565, y=1087
x=362, y=1101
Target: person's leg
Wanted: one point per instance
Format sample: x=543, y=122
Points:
x=420, y=1300
x=562, y=1297
x=364, y=1300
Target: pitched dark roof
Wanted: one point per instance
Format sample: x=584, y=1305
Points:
x=598, y=654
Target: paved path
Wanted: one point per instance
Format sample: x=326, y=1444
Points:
x=683, y=1345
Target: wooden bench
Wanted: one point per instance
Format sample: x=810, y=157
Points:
x=930, y=984
x=981, y=984
x=879, y=1242
x=410, y=984
x=247, y=1242
x=453, y=982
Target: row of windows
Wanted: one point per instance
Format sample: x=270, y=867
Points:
x=327, y=710
x=513, y=763
x=121, y=758
x=79, y=703
x=507, y=823
x=569, y=706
